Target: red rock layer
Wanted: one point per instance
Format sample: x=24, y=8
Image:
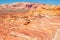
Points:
x=29, y=22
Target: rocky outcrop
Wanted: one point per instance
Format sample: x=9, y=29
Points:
x=29, y=21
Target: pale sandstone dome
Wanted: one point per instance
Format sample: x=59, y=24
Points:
x=29, y=21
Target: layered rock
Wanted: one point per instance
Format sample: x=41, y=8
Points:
x=29, y=21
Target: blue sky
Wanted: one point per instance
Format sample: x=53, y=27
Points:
x=53, y=2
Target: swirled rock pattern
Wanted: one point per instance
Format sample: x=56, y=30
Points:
x=29, y=21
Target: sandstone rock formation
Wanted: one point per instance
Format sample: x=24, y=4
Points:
x=29, y=21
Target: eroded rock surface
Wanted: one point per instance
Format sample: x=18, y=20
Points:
x=29, y=21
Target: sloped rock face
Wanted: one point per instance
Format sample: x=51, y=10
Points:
x=29, y=21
